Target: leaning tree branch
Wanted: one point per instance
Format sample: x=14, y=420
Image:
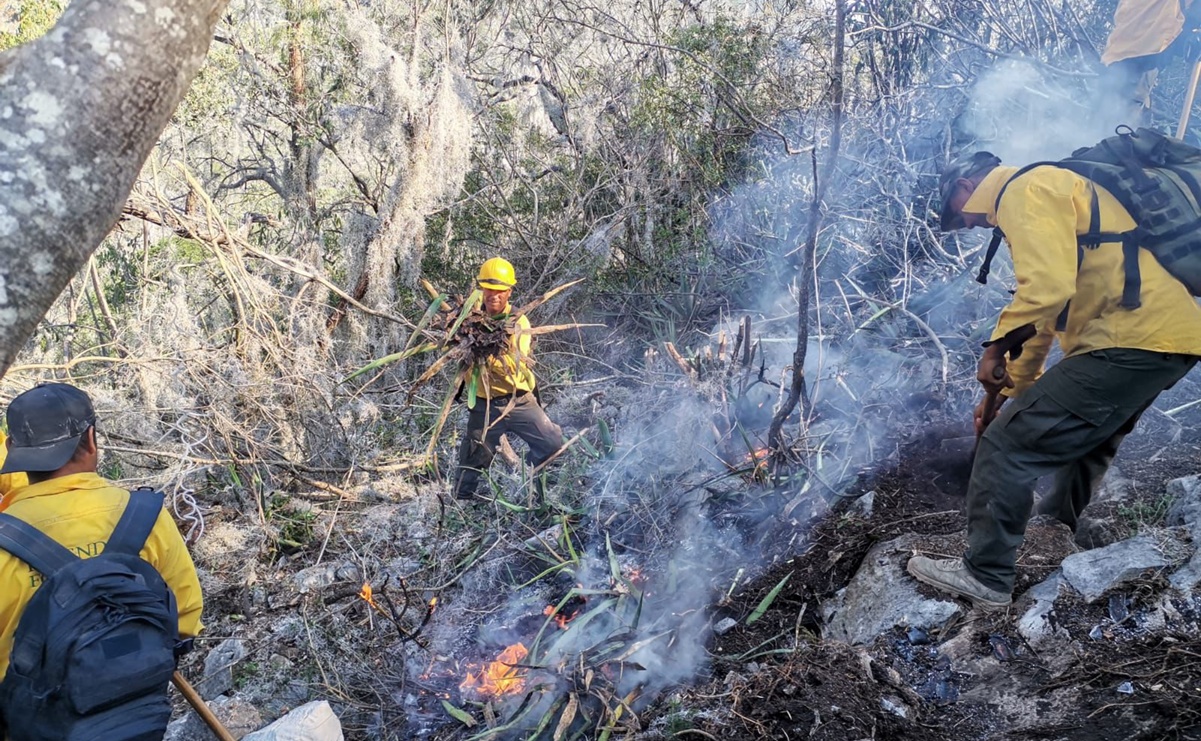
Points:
x=83, y=106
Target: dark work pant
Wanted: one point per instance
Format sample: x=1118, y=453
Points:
x=1069, y=423
x=488, y=421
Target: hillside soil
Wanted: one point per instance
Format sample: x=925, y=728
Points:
x=777, y=679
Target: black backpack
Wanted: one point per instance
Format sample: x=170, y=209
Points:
x=95, y=649
x=1157, y=179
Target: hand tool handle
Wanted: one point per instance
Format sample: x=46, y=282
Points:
x=198, y=704
x=990, y=400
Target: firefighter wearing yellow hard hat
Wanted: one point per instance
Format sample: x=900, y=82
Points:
x=509, y=402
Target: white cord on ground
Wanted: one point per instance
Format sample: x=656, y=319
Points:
x=194, y=516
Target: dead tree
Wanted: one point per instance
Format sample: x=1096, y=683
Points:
x=796, y=391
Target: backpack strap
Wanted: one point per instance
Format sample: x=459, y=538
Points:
x=1132, y=286
x=136, y=522
x=989, y=254
x=33, y=546
x=1090, y=240
x=1130, y=241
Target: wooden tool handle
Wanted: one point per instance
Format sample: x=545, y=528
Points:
x=202, y=709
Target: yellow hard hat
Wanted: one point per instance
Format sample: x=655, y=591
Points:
x=497, y=274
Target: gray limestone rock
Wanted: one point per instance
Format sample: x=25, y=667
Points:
x=882, y=595
x=1186, y=507
x=316, y=578
x=723, y=626
x=219, y=668
x=314, y=721
x=865, y=504
x=1093, y=573
x=1037, y=623
x=895, y=705
x=1114, y=487
x=1187, y=577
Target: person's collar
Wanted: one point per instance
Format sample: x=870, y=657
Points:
x=984, y=198
x=70, y=482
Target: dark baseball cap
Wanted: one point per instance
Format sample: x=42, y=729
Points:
x=45, y=425
x=964, y=167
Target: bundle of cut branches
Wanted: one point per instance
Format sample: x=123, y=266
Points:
x=468, y=340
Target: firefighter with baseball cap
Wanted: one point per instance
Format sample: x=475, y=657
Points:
x=508, y=402
x=52, y=443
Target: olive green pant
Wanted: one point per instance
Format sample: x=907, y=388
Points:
x=524, y=418
x=1069, y=424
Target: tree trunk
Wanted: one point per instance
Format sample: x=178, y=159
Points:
x=80, y=110
x=808, y=266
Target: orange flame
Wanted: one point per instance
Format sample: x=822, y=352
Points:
x=500, y=677
x=561, y=620
x=758, y=456
x=366, y=594
x=757, y=461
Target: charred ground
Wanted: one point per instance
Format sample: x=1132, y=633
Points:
x=777, y=678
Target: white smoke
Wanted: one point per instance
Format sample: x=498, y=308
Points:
x=1024, y=114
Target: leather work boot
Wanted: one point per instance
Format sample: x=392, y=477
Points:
x=950, y=575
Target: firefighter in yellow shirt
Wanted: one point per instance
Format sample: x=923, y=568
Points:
x=52, y=439
x=509, y=403
x=1068, y=420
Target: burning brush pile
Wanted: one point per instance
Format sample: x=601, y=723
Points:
x=582, y=667
x=468, y=340
x=574, y=632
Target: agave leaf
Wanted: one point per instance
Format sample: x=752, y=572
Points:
x=614, y=569
x=577, y=624
x=435, y=293
x=605, y=435
x=547, y=717
x=547, y=572
x=458, y=714
x=573, y=556
x=515, y=720
x=590, y=448
x=429, y=314
x=638, y=646
x=473, y=386
x=394, y=357
x=568, y=716
x=442, y=415
x=766, y=602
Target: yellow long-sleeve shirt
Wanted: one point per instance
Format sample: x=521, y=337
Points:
x=1041, y=213
x=511, y=372
x=1142, y=27
x=80, y=511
